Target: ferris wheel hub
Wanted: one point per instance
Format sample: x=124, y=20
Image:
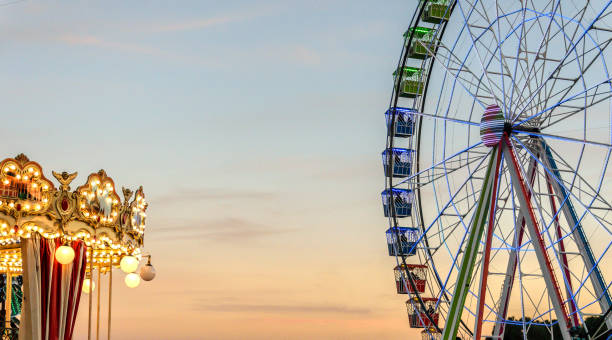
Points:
x=492, y=126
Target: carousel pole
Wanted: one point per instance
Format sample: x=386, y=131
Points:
x=8, y=299
x=98, y=304
x=90, y=291
x=110, y=293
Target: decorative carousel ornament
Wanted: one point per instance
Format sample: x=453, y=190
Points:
x=147, y=272
x=53, y=241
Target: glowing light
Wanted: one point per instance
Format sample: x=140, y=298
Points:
x=129, y=264
x=132, y=280
x=88, y=286
x=64, y=255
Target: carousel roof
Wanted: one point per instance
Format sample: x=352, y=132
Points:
x=93, y=212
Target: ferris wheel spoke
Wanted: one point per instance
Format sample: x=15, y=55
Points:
x=561, y=138
x=572, y=110
x=448, y=204
x=568, y=194
x=595, y=274
x=578, y=95
x=590, y=261
x=432, y=167
x=479, y=58
x=593, y=192
x=562, y=61
x=546, y=38
x=548, y=96
x=455, y=256
x=561, y=28
x=505, y=69
x=470, y=251
x=522, y=42
x=460, y=68
x=516, y=57
x=542, y=67
x=561, y=94
x=531, y=102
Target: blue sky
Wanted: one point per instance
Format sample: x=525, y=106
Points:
x=255, y=129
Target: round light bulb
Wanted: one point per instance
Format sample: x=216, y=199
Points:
x=64, y=255
x=129, y=264
x=147, y=272
x=88, y=286
x=132, y=280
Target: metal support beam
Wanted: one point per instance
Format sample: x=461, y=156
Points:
x=532, y=227
x=499, y=328
x=597, y=280
x=567, y=277
x=470, y=253
x=484, y=273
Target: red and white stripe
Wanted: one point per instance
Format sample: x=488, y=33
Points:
x=51, y=290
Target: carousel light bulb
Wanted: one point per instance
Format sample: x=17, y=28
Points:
x=64, y=255
x=129, y=264
x=132, y=280
x=147, y=272
x=88, y=286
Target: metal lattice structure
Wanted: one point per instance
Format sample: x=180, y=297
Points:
x=499, y=136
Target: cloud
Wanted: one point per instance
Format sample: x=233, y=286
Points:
x=228, y=229
x=280, y=309
x=88, y=40
x=304, y=55
x=196, y=24
x=204, y=194
x=201, y=23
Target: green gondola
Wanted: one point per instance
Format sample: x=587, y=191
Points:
x=422, y=44
x=436, y=11
x=411, y=84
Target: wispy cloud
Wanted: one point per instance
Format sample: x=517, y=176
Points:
x=280, y=309
x=204, y=194
x=227, y=229
x=304, y=55
x=89, y=40
x=212, y=21
x=197, y=24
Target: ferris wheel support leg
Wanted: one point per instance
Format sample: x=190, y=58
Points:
x=470, y=252
x=499, y=328
x=538, y=242
x=563, y=255
x=484, y=274
x=597, y=280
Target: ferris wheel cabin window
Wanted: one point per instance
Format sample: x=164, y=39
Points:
x=402, y=119
x=398, y=201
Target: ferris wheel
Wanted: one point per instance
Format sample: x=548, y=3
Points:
x=497, y=180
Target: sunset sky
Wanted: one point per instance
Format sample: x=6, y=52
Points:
x=256, y=131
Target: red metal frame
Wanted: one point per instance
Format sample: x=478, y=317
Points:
x=571, y=302
x=518, y=245
x=540, y=241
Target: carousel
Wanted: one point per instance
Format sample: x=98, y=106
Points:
x=57, y=243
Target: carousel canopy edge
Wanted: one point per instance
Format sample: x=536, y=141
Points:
x=93, y=212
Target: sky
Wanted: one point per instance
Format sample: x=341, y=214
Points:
x=255, y=129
